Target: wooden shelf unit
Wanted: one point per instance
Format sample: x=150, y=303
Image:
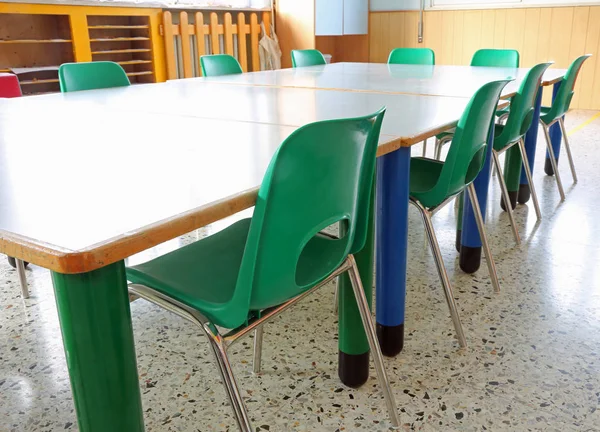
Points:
x=124, y=40
x=42, y=35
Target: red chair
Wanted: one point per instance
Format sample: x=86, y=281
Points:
x=10, y=88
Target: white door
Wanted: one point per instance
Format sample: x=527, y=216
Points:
x=329, y=16
x=356, y=17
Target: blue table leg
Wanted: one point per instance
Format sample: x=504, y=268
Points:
x=555, y=137
x=470, y=250
x=530, y=145
x=393, y=178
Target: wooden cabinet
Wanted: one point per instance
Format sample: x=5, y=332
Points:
x=329, y=17
x=336, y=27
x=341, y=17
x=356, y=17
x=37, y=38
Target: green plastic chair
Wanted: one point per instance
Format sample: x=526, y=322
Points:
x=508, y=58
x=309, y=57
x=512, y=133
x=414, y=56
x=91, y=76
x=253, y=270
x=486, y=57
x=433, y=183
x=556, y=114
x=219, y=64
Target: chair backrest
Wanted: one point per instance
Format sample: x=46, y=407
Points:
x=308, y=57
x=9, y=86
x=91, y=75
x=417, y=56
x=468, y=149
x=322, y=174
x=563, y=98
x=522, y=105
x=496, y=58
x=219, y=64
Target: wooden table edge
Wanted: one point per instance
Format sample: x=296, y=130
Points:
x=125, y=245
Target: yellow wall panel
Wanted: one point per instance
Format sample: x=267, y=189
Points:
x=515, y=29
x=397, y=37
x=540, y=34
x=592, y=41
x=376, y=32
x=488, y=25
x=447, y=56
x=472, y=34
x=459, y=31
x=530, y=36
x=500, y=28
x=578, y=36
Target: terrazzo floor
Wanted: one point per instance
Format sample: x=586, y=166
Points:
x=532, y=364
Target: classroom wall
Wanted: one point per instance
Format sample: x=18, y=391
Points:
x=540, y=34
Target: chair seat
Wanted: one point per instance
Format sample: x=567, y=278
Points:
x=201, y=275
x=503, y=111
x=498, y=144
x=204, y=274
x=424, y=174
x=544, y=115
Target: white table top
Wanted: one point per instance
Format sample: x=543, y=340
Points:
x=454, y=81
x=78, y=192
x=426, y=117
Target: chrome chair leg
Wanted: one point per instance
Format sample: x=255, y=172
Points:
x=561, y=191
x=439, y=145
x=22, y=278
x=367, y=321
x=336, y=297
x=568, y=148
x=424, y=148
x=536, y=203
x=231, y=388
x=441, y=268
x=506, y=198
x=484, y=239
x=258, y=342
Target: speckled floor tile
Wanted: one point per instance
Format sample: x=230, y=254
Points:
x=533, y=361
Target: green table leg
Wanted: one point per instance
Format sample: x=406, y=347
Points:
x=98, y=337
x=353, y=343
x=512, y=175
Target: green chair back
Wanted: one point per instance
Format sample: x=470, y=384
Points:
x=496, y=58
x=417, y=56
x=563, y=98
x=322, y=174
x=309, y=57
x=219, y=64
x=468, y=149
x=91, y=75
x=522, y=105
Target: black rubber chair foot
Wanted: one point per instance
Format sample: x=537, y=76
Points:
x=470, y=258
x=513, y=200
x=524, y=193
x=354, y=369
x=548, y=169
x=391, y=339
